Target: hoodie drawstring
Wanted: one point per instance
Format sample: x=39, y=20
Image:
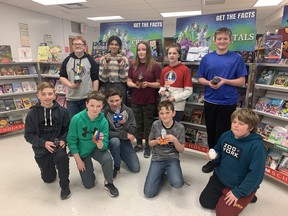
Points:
x=45, y=116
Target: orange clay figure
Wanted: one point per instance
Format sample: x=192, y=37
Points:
x=161, y=139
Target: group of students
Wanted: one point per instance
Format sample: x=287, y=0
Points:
x=95, y=127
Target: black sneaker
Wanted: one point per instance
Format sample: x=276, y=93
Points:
x=112, y=190
x=65, y=193
x=115, y=172
x=147, y=152
x=138, y=148
x=254, y=200
x=209, y=167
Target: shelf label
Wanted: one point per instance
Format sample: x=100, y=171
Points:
x=196, y=147
x=275, y=174
x=11, y=128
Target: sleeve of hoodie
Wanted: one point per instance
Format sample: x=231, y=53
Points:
x=31, y=131
x=72, y=137
x=123, y=72
x=63, y=71
x=94, y=69
x=105, y=130
x=187, y=86
x=65, y=124
x=256, y=172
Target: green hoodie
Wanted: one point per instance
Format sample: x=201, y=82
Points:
x=81, y=131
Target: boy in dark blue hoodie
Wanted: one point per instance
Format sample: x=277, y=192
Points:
x=240, y=154
x=46, y=128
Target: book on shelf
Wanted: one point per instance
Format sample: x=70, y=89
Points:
x=277, y=135
x=15, y=120
x=21, y=70
x=43, y=53
x=283, y=164
x=190, y=135
x=264, y=129
x=285, y=141
x=34, y=101
x=7, y=71
x=61, y=99
x=18, y=103
x=5, y=53
x=32, y=85
x=263, y=104
x=59, y=87
x=241, y=100
x=17, y=87
x=8, y=88
x=273, y=47
x=9, y=104
x=25, y=54
x=2, y=89
x=197, y=116
x=32, y=70
x=26, y=86
x=281, y=79
x=273, y=158
x=266, y=77
x=187, y=116
x=193, y=97
x=26, y=102
x=276, y=105
x=201, y=138
x=2, y=106
x=284, y=33
x=201, y=97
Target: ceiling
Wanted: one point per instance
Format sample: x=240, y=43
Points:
x=136, y=10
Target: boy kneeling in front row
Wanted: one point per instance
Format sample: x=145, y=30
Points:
x=88, y=138
x=241, y=156
x=167, y=139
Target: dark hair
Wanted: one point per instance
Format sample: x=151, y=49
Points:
x=97, y=95
x=248, y=116
x=223, y=30
x=44, y=85
x=149, y=61
x=177, y=47
x=166, y=104
x=112, y=38
x=112, y=92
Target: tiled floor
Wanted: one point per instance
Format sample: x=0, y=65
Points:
x=22, y=191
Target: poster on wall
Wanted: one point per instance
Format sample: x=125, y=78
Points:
x=131, y=33
x=24, y=34
x=197, y=32
x=284, y=22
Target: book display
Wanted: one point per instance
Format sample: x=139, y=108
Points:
x=16, y=83
x=270, y=103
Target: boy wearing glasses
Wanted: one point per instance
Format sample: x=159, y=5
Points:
x=79, y=72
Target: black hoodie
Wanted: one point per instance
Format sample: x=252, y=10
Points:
x=45, y=124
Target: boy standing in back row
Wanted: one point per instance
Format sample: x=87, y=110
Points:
x=221, y=72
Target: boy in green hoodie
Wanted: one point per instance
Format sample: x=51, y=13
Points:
x=88, y=138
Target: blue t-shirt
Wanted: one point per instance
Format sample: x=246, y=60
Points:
x=229, y=66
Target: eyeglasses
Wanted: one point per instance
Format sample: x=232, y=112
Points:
x=78, y=44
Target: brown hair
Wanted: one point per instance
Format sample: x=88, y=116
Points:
x=79, y=38
x=112, y=92
x=166, y=104
x=96, y=95
x=177, y=47
x=247, y=116
x=44, y=85
x=149, y=61
x=221, y=31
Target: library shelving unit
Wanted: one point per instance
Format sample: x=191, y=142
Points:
x=18, y=82
x=270, y=111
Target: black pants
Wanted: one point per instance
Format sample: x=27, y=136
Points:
x=217, y=120
x=47, y=165
x=144, y=116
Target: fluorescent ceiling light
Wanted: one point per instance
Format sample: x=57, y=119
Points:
x=263, y=3
x=184, y=13
x=105, y=18
x=58, y=2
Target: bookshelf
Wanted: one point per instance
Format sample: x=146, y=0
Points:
x=272, y=117
x=18, y=83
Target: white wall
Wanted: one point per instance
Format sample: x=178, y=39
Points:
x=38, y=25
x=60, y=29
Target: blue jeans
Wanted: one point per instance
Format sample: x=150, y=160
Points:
x=123, y=149
x=156, y=173
x=75, y=107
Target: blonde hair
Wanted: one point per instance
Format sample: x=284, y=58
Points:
x=79, y=38
x=248, y=117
